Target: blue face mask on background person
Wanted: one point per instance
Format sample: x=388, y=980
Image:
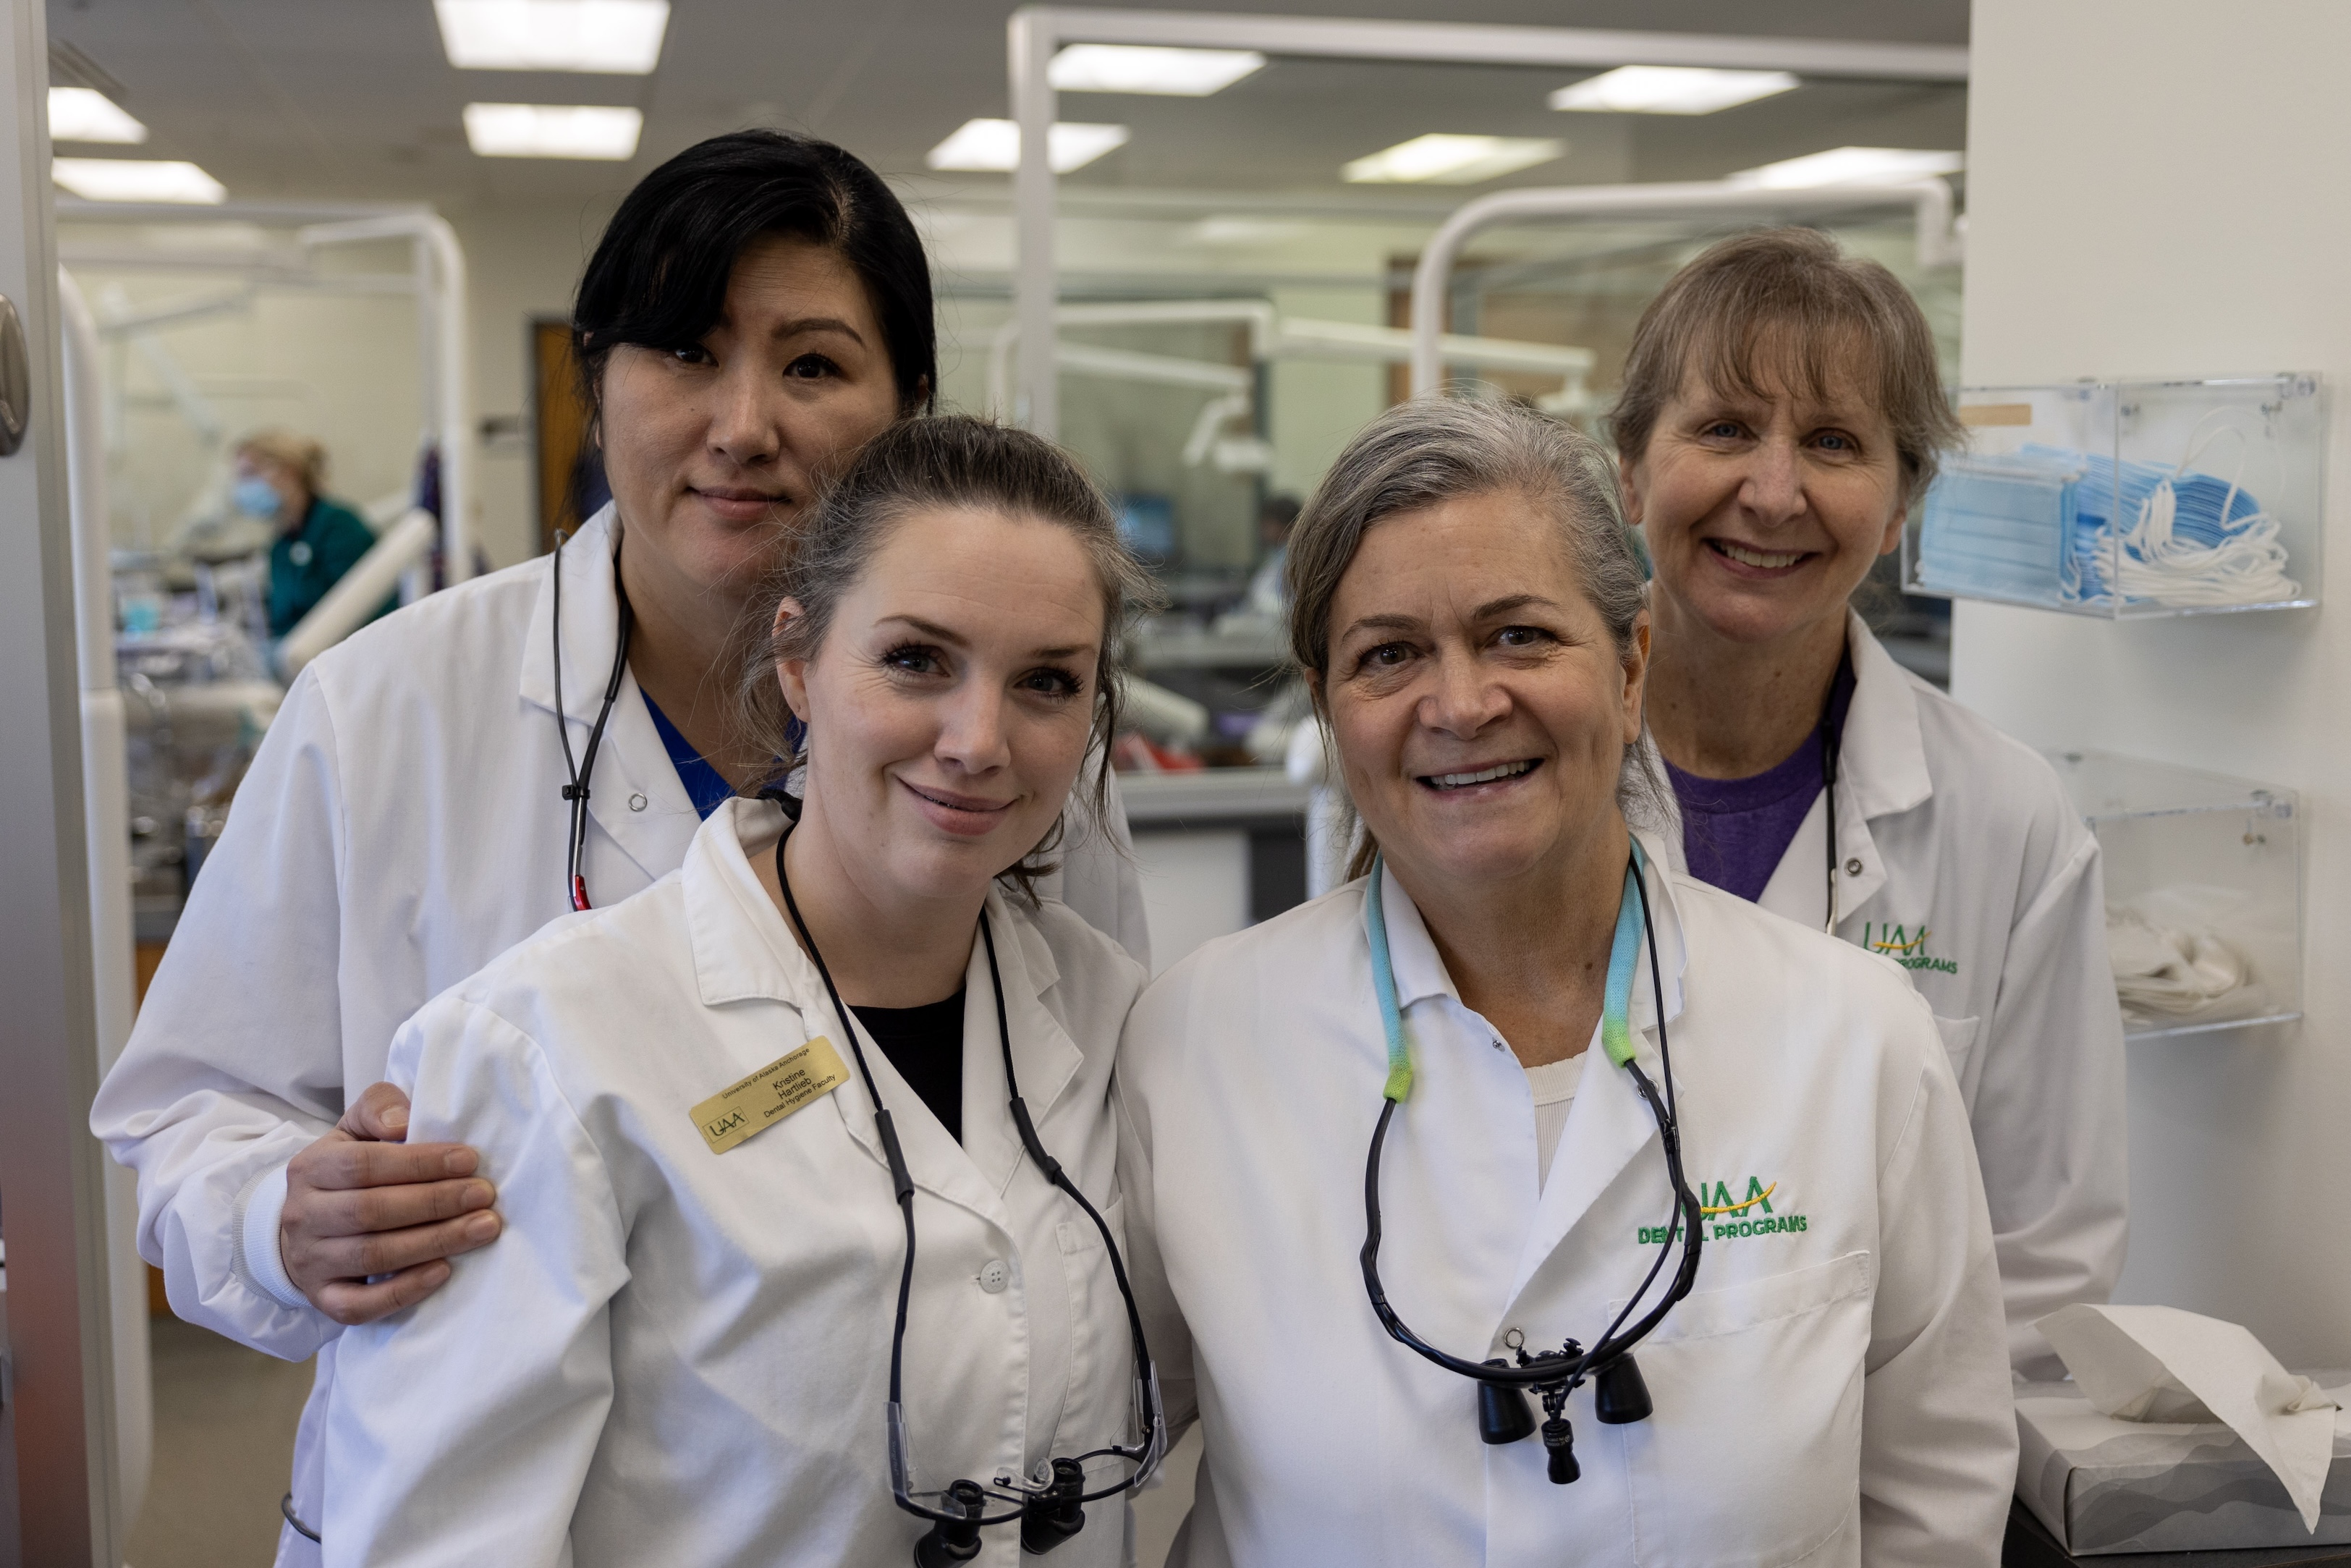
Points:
x=257, y=496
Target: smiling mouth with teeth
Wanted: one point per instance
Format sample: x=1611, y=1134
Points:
x=1768, y=559
x=1482, y=776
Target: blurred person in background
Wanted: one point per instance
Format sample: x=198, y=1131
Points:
x=279, y=477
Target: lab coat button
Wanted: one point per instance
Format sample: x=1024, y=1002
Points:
x=636, y=802
x=1852, y=866
x=994, y=1275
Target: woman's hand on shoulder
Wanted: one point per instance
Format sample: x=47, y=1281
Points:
x=370, y=1220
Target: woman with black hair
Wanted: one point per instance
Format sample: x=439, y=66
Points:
x=442, y=785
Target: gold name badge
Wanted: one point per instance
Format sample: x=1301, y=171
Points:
x=795, y=1080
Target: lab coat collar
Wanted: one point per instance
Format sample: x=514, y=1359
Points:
x=1609, y=1122
x=635, y=793
x=1882, y=767
x=1420, y=971
x=743, y=950
x=1043, y=1054
x=1881, y=772
x=591, y=625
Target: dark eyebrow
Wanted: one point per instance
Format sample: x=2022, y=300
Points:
x=939, y=633
x=1508, y=603
x=1486, y=611
x=819, y=324
x=1381, y=624
x=928, y=629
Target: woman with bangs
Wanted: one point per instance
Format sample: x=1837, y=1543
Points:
x=1781, y=416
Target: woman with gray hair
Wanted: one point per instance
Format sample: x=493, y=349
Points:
x=1522, y=1131
x=1782, y=414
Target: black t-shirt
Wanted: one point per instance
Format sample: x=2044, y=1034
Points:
x=925, y=1045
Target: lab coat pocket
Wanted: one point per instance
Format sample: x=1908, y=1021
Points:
x=1754, y=1457
x=1958, y=1044
x=1094, y=1408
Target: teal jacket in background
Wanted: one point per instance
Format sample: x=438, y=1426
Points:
x=311, y=560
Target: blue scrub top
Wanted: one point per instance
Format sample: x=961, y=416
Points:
x=704, y=784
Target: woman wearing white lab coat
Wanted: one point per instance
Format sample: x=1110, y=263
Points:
x=1782, y=413
x=406, y=818
x=1833, y=1389
x=681, y=1348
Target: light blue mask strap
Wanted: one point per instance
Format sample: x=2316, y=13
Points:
x=1375, y=923
x=1623, y=959
x=1615, y=1013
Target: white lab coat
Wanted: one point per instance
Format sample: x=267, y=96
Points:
x=678, y=1356
x=1833, y=1395
x=1961, y=858
x=402, y=825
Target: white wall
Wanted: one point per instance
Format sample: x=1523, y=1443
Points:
x=2163, y=187
x=521, y=262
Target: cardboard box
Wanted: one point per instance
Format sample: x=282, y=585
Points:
x=2102, y=1486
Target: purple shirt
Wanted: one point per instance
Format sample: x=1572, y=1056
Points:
x=1735, y=832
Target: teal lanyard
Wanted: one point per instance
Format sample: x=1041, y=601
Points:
x=1615, y=1009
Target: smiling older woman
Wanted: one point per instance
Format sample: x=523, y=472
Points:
x=1781, y=416
x=1521, y=1105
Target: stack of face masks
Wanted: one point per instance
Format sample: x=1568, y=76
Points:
x=2001, y=528
x=2053, y=527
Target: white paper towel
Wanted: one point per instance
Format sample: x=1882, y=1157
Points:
x=2160, y=1363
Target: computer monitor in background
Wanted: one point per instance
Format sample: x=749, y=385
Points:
x=1147, y=524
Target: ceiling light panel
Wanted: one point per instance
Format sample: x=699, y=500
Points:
x=1125, y=68
x=552, y=130
x=994, y=145
x=137, y=180
x=1441, y=159
x=1670, y=90
x=86, y=114
x=1852, y=166
x=614, y=38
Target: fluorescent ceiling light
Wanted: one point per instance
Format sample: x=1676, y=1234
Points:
x=136, y=180
x=1441, y=159
x=1244, y=230
x=995, y=145
x=86, y=114
x=1126, y=67
x=616, y=37
x=552, y=130
x=1852, y=166
x=1669, y=89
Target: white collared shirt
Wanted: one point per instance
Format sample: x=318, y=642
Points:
x=673, y=1355
x=1961, y=858
x=1834, y=1391
x=402, y=824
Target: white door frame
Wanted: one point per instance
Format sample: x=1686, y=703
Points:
x=59, y=1472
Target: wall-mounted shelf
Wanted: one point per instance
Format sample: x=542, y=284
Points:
x=2129, y=499
x=2203, y=878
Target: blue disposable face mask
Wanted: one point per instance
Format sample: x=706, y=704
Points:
x=257, y=496
x=2047, y=526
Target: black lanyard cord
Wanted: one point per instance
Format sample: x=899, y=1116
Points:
x=1146, y=1454
x=899, y=1177
x=1555, y=1373
x=1148, y=1394
x=575, y=794
x=1832, y=754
